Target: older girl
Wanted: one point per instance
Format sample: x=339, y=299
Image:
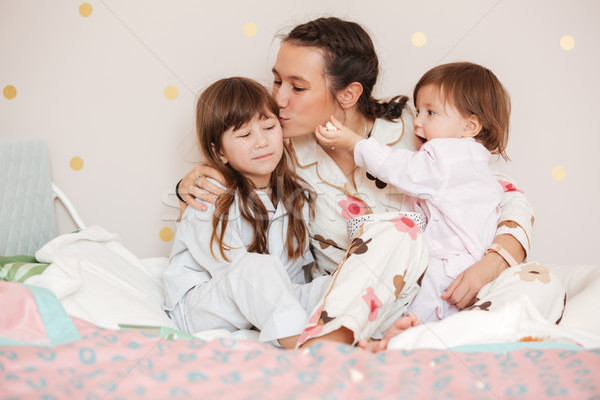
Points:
x=240, y=263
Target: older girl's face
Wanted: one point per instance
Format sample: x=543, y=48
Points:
x=254, y=150
x=300, y=89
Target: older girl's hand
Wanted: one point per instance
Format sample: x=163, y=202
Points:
x=194, y=185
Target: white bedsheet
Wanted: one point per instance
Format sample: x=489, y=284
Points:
x=512, y=322
x=97, y=279
x=519, y=318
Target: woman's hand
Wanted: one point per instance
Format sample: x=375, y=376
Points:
x=194, y=185
x=334, y=134
x=463, y=291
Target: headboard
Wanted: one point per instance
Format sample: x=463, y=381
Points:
x=27, y=214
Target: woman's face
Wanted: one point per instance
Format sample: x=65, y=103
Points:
x=300, y=89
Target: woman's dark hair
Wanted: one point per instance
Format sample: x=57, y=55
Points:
x=349, y=56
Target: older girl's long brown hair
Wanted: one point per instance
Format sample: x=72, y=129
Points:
x=233, y=102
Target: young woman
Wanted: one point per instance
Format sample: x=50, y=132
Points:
x=326, y=67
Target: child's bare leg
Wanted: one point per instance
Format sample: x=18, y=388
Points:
x=397, y=327
x=289, y=343
x=341, y=335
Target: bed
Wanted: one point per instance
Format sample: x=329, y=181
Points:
x=82, y=318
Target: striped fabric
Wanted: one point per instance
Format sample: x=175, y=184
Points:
x=20, y=268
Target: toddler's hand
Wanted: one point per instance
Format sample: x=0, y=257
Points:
x=462, y=292
x=336, y=135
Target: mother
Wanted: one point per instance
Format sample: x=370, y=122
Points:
x=326, y=67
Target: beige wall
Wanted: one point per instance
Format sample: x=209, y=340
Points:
x=91, y=79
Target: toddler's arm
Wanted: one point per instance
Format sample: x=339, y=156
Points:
x=334, y=134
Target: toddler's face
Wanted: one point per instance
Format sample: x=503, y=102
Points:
x=437, y=118
x=255, y=149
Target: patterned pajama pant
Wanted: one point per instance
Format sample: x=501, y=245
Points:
x=543, y=288
x=381, y=274
x=254, y=291
x=375, y=282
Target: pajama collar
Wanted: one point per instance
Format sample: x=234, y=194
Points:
x=307, y=153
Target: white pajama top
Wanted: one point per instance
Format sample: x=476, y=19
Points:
x=191, y=261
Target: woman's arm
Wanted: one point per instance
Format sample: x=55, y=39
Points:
x=516, y=216
x=195, y=186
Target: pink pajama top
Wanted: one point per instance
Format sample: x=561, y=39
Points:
x=450, y=181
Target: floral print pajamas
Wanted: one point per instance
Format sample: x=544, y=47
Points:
x=375, y=282
x=340, y=198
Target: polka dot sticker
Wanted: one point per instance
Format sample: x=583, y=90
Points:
x=567, y=43
x=250, y=29
x=559, y=173
x=10, y=92
x=171, y=92
x=85, y=9
x=418, y=39
x=166, y=234
x=76, y=163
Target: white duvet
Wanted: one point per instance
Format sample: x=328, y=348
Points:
x=98, y=280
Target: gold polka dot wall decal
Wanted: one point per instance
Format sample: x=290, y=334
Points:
x=171, y=92
x=10, y=92
x=85, y=9
x=76, y=163
x=567, y=42
x=418, y=39
x=166, y=234
x=250, y=29
x=559, y=173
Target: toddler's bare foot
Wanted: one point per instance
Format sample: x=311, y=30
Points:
x=373, y=345
x=397, y=327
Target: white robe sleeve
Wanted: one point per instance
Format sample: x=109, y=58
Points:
x=191, y=262
x=195, y=231
x=514, y=209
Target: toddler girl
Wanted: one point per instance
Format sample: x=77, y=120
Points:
x=462, y=116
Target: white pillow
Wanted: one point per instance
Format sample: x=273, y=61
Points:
x=582, y=283
x=100, y=281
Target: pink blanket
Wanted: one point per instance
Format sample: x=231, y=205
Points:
x=74, y=359
x=113, y=364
